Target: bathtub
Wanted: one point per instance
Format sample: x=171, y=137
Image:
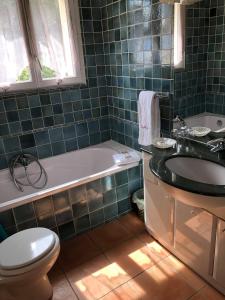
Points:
x=214, y=122
x=65, y=171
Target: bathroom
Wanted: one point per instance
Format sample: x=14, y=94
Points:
x=76, y=124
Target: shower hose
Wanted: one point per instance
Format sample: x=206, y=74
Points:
x=24, y=160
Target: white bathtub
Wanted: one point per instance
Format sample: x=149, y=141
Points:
x=65, y=171
x=214, y=122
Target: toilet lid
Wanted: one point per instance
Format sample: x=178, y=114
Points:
x=25, y=247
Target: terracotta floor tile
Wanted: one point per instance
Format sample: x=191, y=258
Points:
x=109, y=235
x=208, y=293
x=133, y=267
x=61, y=287
x=95, y=278
x=192, y=278
x=158, y=283
x=133, y=256
x=124, y=292
x=153, y=245
x=132, y=223
x=77, y=251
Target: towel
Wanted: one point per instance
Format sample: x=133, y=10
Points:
x=149, y=117
x=126, y=158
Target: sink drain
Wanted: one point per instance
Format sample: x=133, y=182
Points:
x=219, y=123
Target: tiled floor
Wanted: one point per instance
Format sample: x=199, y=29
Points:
x=120, y=261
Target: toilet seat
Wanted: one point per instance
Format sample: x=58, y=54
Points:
x=26, y=249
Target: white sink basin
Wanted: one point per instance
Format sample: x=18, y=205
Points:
x=198, y=170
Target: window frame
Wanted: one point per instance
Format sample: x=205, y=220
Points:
x=179, y=36
x=29, y=37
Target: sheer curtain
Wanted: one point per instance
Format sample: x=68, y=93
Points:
x=52, y=34
x=13, y=56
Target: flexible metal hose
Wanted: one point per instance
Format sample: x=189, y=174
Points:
x=24, y=160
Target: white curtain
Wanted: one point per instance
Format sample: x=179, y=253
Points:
x=13, y=55
x=52, y=35
x=184, y=2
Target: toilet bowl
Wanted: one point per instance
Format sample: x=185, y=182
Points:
x=25, y=259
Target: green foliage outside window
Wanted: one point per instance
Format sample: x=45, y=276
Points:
x=46, y=73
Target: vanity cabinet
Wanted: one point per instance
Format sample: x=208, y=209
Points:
x=158, y=206
x=219, y=263
x=193, y=236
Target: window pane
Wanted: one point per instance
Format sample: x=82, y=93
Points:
x=13, y=56
x=53, y=38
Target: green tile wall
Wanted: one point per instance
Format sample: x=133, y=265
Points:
x=190, y=83
x=138, y=44
x=201, y=86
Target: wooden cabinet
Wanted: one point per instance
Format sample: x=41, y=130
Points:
x=158, y=207
x=193, y=235
x=219, y=263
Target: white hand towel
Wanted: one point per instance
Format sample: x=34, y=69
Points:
x=149, y=117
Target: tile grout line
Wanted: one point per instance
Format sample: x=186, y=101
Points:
x=197, y=292
x=133, y=278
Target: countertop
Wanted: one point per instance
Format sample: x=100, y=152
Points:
x=185, y=148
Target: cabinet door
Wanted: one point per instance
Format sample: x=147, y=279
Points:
x=193, y=232
x=158, y=212
x=219, y=262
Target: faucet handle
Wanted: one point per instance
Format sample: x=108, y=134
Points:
x=215, y=141
x=216, y=144
x=179, y=120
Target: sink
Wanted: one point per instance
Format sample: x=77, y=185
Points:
x=199, y=170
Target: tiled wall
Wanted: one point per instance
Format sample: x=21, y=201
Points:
x=201, y=86
x=190, y=83
x=128, y=47
x=138, y=43
x=215, y=90
x=51, y=122
x=78, y=209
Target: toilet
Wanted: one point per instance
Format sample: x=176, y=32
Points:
x=25, y=259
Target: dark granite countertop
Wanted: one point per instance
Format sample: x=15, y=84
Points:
x=190, y=149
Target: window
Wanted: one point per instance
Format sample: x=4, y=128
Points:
x=40, y=44
x=179, y=36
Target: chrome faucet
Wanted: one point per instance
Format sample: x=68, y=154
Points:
x=217, y=145
x=180, y=127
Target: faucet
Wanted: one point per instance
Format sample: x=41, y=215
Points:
x=217, y=145
x=181, y=129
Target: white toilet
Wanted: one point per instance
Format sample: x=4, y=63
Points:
x=25, y=259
